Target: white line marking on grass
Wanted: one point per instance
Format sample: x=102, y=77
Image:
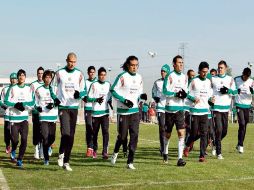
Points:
x=160, y=183
x=3, y=182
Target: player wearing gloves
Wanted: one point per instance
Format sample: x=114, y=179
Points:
x=70, y=85
x=223, y=90
x=101, y=99
x=48, y=112
x=19, y=99
x=175, y=90
x=127, y=89
x=160, y=100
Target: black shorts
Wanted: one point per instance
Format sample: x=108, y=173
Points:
x=172, y=119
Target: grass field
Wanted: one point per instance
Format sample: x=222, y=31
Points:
x=236, y=171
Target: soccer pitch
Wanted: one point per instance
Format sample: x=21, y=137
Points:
x=234, y=172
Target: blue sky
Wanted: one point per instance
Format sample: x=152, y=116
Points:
x=104, y=33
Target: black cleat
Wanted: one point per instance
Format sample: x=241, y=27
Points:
x=165, y=158
x=181, y=162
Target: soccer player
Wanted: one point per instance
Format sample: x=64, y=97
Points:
x=160, y=100
x=100, y=95
x=19, y=99
x=127, y=89
x=70, y=84
x=7, y=131
x=243, y=99
x=175, y=89
x=37, y=138
x=200, y=92
x=88, y=112
x=223, y=90
x=47, y=113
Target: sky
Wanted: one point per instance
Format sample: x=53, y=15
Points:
x=37, y=33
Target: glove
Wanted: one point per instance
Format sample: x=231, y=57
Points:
x=143, y=96
x=76, y=94
x=39, y=109
x=210, y=103
x=251, y=90
x=181, y=94
x=19, y=106
x=4, y=107
x=239, y=91
x=57, y=102
x=99, y=100
x=110, y=104
x=85, y=99
x=128, y=103
x=156, y=99
x=224, y=90
x=50, y=106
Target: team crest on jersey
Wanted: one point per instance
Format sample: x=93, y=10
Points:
x=221, y=82
x=47, y=93
x=21, y=93
x=69, y=79
x=179, y=80
x=134, y=81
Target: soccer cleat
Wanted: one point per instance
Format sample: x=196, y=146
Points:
x=113, y=158
x=94, y=154
x=202, y=159
x=67, y=167
x=220, y=157
x=104, y=156
x=130, y=166
x=13, y=156
x=19, y=163
x=50, y=151
x=36, y=152
x=165, y=158
x=186, y=151
x=240, y=149
x=8, y=150
x=46, y=162
x=89, y=152
x=214, y=151
x=60, y=160
x=181, y=162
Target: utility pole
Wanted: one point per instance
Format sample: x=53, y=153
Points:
x=181, y=51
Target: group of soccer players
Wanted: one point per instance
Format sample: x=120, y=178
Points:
x=185, y=103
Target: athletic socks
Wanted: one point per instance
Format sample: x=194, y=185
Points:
x=180, y=147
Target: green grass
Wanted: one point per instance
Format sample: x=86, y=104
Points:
x=234, y=172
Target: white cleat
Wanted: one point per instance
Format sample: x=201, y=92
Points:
x=67, y=167
x=130, y=166
x=240, y=149
x=113, y=158
x=214, y=151
x=36, y=152
x=60, y=160
x=220, y=157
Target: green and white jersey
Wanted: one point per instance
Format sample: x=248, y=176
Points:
x=88, y=105
x=222, y=101
x=173, y=83
x=157, y=92
x=17, y=93
x=3, y=94
x=42, y=99
x=34, y=85
x=66, y=82
x=99, y=89
x=127, y=86
x=200, y=89
x=244, y=99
